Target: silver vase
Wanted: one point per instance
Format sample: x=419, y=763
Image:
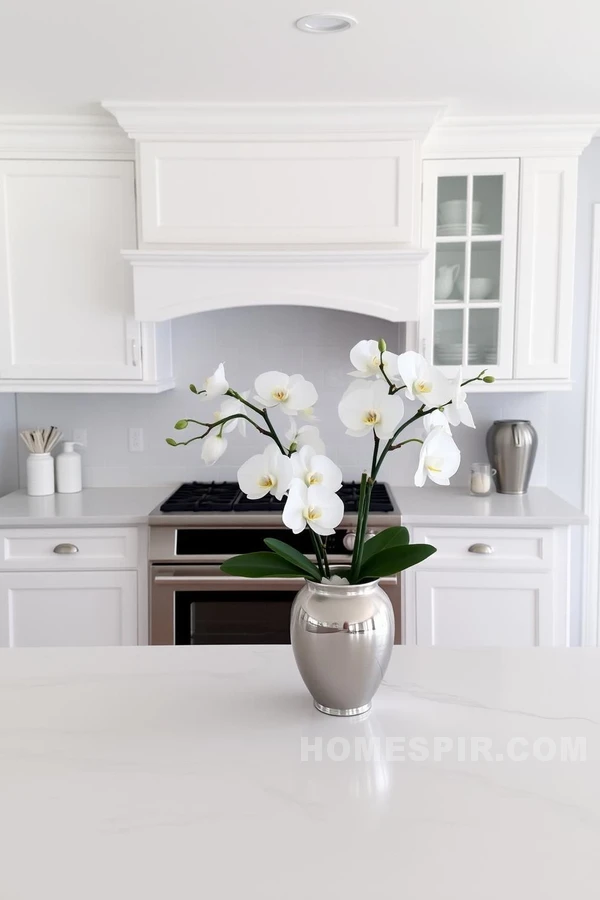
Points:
x=511, y=446
x=342, y=637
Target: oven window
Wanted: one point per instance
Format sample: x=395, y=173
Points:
x=228, y=617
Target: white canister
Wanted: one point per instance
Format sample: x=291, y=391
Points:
x=40, y=474
x=68, y=470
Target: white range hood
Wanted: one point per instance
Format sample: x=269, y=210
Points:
x=271, y=205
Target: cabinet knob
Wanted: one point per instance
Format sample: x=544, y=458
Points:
x=65, y=549
x=481, y=548
x=349, y=540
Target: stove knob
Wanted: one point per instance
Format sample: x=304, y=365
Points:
x=349, y=540
x=369, y=535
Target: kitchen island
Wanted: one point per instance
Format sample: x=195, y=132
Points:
x=190, y=772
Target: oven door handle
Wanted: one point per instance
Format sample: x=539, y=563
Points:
x=180, y=580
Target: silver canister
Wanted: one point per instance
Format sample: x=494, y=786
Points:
x=342, y=636
x=511, y=446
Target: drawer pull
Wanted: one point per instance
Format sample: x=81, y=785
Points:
x=65, y=549
x=481, y=548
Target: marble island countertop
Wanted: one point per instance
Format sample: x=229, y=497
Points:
x=418, y=506
x=192, y=772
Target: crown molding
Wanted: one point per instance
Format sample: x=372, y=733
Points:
x=358, y=255
x=193, y=121
x=501, y=136
x=379, y=281
x=63, y=137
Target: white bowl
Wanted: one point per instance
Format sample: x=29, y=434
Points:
x=480, y=288
x=454, y=212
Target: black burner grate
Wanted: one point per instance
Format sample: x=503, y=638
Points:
x=226, y=497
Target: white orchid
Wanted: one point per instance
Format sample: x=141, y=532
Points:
x=370, y=407
x=312, y=468
x=366, y=359
x=230, y=406
x=213, y=448
x=315, y=506
x=291, y=392
x=215, y=385
x=266, y=473
x=439, y=458
x=305, y=436
x=436, y=419
x=423, y=382
x=458, y=411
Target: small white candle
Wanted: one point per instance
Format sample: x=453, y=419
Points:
x=481, y=483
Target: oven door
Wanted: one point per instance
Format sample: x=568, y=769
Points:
x=202, y=605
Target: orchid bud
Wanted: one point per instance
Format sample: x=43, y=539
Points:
x=381, y=345
x=293, y=447
x=193, y=389
x=489, y=379
x=171, y=442
x=183, y=423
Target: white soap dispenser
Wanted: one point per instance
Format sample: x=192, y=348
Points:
x=68, y=469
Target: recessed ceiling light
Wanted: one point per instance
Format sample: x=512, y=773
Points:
x=325, y=23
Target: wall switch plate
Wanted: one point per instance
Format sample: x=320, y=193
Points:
x=80, y=436
x=136, y=440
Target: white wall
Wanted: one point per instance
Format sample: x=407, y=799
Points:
x=566, y=412
x=314, y=342
x=9, y=477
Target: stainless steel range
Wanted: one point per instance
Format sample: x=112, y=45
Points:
x=201, y=525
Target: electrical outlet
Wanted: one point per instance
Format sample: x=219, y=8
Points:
x=136, y=440
x=80, y=436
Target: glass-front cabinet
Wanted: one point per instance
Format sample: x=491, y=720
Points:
x=470, y=214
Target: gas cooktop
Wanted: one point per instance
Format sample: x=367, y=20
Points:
x=226, y=497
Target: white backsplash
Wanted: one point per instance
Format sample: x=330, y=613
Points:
x=9, y=476
x=311, y=341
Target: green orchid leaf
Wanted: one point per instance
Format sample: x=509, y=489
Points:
x=261, y=565
x=395, y=559
x=397, y=536
x=294, y=557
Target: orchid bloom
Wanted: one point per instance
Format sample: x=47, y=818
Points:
x=305, y=436
x=439, y=458
x=215, y=385
x=436, y=419
x=367, y=358
x=322, y=510
x=291, y=392
x=458, y=411
x=312, y=468
x=231, y=407
x=370, y=407
x=213, y=448
x=266, y=473
x=423, y=382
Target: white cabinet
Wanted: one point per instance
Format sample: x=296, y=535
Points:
x=73, y=587
x=66, y=308
x=68, y=609
x=491, y=609
x=504, y=587
x=497, y=289
x=470, y=211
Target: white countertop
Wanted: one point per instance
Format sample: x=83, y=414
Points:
x=92, y=506
x=455, y=506
x=418, y=506
x=177, y=772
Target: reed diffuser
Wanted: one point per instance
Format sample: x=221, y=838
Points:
x=40, y=466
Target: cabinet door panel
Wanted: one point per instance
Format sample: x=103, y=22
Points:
x=546, y=265
x=68, y=609
x=462, y=609
x=470, y=212
x=66, y=308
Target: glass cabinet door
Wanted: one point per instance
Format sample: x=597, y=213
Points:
x=470, y=223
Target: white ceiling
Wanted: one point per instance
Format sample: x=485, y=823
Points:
x=506, y=56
